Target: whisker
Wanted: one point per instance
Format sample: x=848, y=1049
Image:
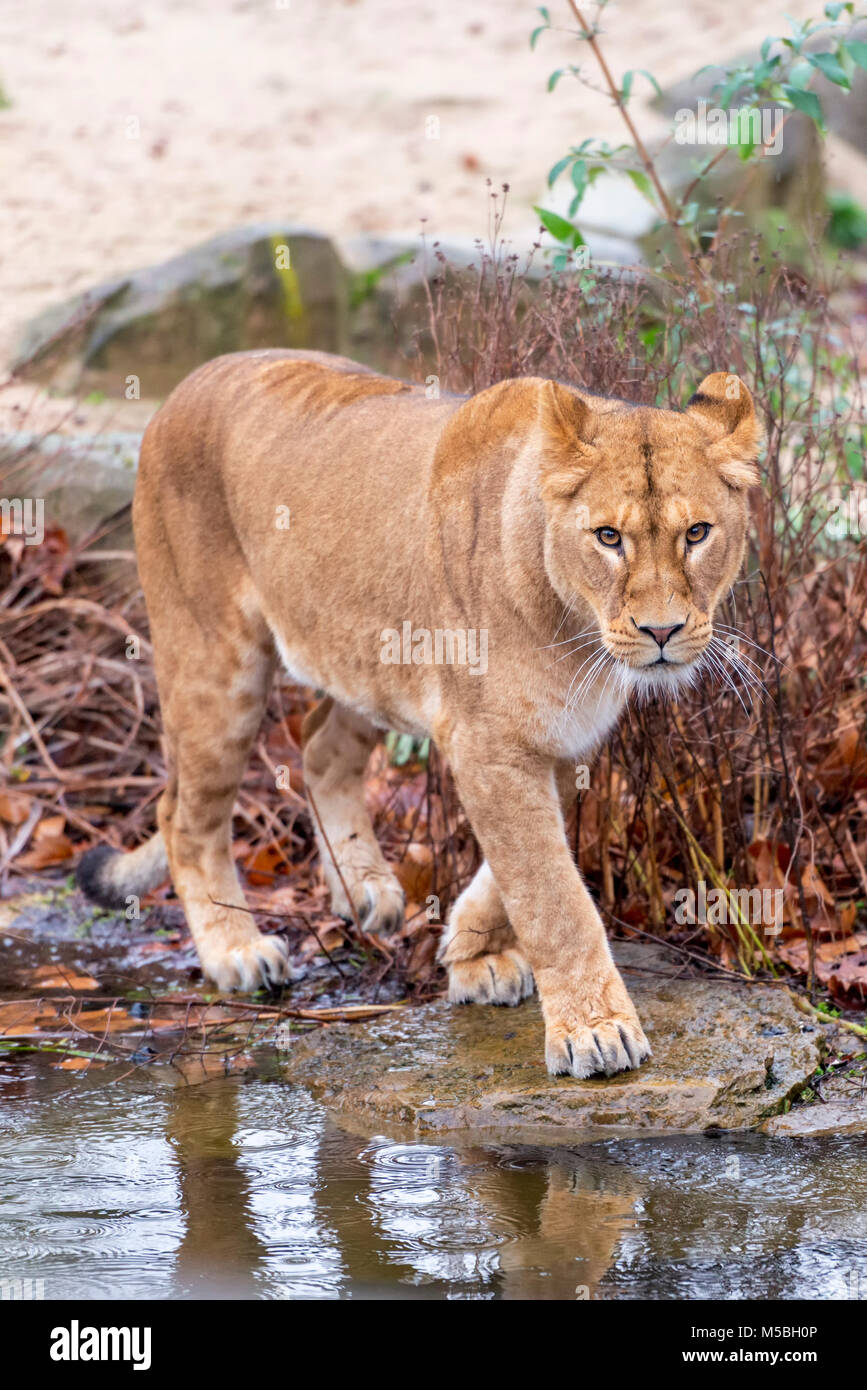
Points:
x=588, y=643
x=738, y=663
x=736, y=632
x=575, y=675
x=602, y=658
x=564, y=640
x=720, y=670
x=570, y=606
x=735, y=655
x=750, y=680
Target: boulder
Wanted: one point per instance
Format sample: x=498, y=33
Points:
x=263, y=286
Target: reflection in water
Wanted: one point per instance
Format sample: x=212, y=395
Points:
x=219, y=1254
x=126, y=1188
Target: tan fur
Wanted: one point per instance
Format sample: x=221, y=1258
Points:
x=449, y=514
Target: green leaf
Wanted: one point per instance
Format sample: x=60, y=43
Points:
x=555, y=172
x=403, y=748
x=555, y=78
x=627, y=82
x=542, y=27
x=560, y=229
x=807, y=102
x=579, y=181
x=828, y=64
x=801, y=75
x=763, y=72
x=857, y=51
x=652, y=80
x=579, y=175
x=642, y=183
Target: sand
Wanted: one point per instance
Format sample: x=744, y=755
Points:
x=136, y=131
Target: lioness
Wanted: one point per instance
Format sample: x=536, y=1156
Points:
x=298, y=507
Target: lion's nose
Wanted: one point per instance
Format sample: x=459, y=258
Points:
x=661, y=634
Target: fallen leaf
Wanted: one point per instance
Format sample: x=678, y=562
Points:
x=18, y=1019
x=49, y=828
x=51, y=849
x=414, y=872
x=57, y=977
x=267, y=861
x=205, y=1066
x=14, y=807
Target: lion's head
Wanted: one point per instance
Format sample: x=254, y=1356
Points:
x=646, y=518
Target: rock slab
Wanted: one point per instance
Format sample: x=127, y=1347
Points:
x=725, y=1056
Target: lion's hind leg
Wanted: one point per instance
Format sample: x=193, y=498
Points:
x=337, y=744
x=480, y=950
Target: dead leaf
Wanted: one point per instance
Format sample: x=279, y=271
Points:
x=414, y=872
x=14, y=807
x=267, y=861
x=50, y=849
x=49, y=828
x=57, y=977
x=19, y=1019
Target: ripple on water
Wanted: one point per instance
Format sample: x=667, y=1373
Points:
x=128, y=1190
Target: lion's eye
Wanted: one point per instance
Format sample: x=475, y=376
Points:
x=698, y=532
x=606, y=535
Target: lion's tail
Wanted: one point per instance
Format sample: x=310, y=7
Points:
x=109, y=876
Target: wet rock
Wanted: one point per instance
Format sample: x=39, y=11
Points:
x=845, y=1116
x=842, y=1109
x=725, y=1056
x=263, y=286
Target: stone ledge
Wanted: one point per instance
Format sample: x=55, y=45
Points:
x=725, y=1056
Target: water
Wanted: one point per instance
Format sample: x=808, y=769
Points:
x=130, y=1187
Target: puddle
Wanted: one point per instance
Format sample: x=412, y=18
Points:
x=129, y=1188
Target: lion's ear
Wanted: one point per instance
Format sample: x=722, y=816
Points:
x=723, y=407
x=566, y=423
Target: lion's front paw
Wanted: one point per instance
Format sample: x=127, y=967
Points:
x=504, y=978
x=610, y=1046
x=588, y=1033
x=244, y=959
